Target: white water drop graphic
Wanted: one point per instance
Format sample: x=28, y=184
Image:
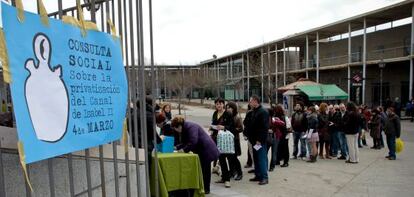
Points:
x=46, y=94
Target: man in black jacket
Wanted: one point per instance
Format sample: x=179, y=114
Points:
x=257, y=137
x=300, y=126
x=392, y=131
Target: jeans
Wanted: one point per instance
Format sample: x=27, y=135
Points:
x=391, y=145
x=260, y=162
x=297, y=136
x=334, y=143
x=274, y=147
x=343, y=144
x=309, y=147
x=352, y=141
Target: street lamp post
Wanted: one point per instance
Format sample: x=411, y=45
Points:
x=381, y=66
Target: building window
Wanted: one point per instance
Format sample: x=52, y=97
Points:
x=375, y=99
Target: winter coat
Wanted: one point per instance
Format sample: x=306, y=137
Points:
x=323, y=126
x=313, y=122
x=337, y=121
x=224, y=120
x=299, y=122
x=150, y=128
x=375, y=127
x=352, y=123
x=238, y=128
x=259, y=125
x=247, y=123
x=278, y=127
x=195, y=139
x=392, y=125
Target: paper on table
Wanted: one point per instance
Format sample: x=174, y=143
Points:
x=257, y=146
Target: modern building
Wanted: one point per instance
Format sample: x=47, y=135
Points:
x=370, y=56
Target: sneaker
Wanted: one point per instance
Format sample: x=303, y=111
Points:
x=250, y=171
x=247, y=166
x=227, y=184
x=391, y=158
x=271, y=169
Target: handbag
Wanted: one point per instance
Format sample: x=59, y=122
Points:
x=399, y=145
x=225, y=142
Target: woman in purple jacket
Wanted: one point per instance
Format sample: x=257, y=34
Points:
x=195, y=139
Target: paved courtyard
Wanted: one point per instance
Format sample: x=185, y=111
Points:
x=373, y=176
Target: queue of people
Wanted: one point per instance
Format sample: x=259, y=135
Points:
x=319, y=132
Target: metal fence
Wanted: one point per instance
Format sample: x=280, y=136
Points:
x=107, y=170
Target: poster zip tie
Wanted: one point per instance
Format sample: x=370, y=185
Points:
x=81, y=19
x=75, y=22
x=20, y=11
x=22, y=158
x=43, y=13
x=125, y=136
x=4, y=58
x=113, y=29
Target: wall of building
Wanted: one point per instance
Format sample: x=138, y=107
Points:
x=391, y=40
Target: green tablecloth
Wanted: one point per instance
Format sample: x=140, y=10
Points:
x=178, y=171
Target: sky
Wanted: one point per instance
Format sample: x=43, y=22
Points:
x=191, y=31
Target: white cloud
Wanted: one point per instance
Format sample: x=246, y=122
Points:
x=192, y=31
x=188, y=32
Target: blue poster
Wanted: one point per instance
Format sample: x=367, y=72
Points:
x=69, y=91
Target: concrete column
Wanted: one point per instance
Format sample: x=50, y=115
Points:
x=227, y=68
x=231, y=67
x=410, y=94
x=268, y=73
x=157, y=89
x=276, y=73
x=364, y=62
x=242, y=76
x=218, y=77
x=165, y=83
x=248, y=76
x=284, y=64
x=317, y=57
x=307, y=57
x=349, y=61
x=262, y=73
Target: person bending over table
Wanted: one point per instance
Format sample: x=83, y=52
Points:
x=195, y=139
